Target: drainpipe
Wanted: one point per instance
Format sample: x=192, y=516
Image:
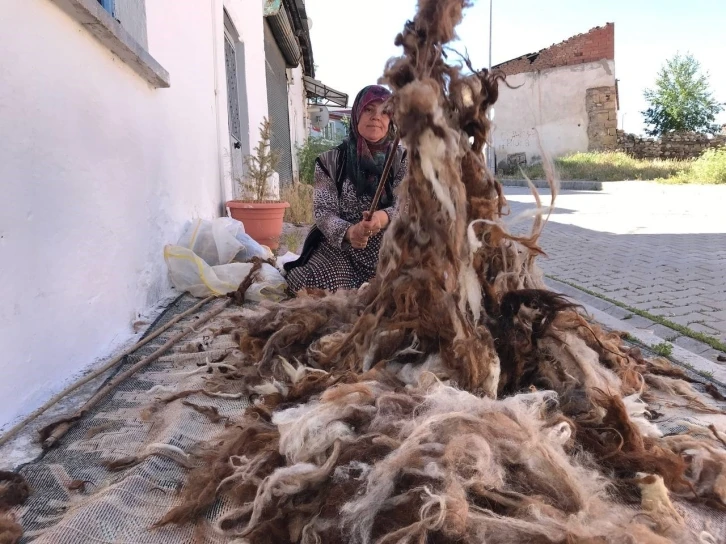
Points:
x=220, y=159
x=488, y=151
x=490, y=33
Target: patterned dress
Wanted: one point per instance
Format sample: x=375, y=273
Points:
x=335, y=264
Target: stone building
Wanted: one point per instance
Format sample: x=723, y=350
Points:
x=565, y=99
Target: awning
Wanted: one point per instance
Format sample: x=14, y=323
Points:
x=331, y=97
x=290, y=26
x=282, y=30
x=272, y=7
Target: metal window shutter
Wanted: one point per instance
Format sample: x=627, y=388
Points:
x=277, y=105
x=230, y=61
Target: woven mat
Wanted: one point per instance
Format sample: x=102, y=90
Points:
x=121, y=507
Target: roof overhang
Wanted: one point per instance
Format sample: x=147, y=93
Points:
x=290, y=25
x=272, y=7
x=329, y=97
x=282, y=30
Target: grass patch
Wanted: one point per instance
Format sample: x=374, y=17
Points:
x=715, y=343
x=609, y=166
x=292, y=241
x=664, y=349
x=709, y=168
x=300, y=197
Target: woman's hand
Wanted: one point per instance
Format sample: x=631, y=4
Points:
x=359, y=233
x=357, y=236
x=375, y=223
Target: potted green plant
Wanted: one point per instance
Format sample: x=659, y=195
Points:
x=257, y=208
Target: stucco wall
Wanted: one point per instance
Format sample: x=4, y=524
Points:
x=98, y=170
x=297, y=102
x=548, y=108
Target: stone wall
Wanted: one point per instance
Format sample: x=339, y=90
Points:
x=687, y=145
x=602, y=114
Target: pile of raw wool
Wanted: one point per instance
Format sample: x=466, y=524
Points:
x=14, y=491
x=454, y=398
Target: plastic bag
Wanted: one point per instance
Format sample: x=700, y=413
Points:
x=201, y=263
x=286, y=258
x=221, y=241
x=250, y=248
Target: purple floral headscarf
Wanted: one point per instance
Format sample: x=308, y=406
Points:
x=366, y=159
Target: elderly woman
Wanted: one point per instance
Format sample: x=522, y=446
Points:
x=341, y=251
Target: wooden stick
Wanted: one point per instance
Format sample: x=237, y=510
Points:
x=96, y=373
x=61, y=427
x=384, y=177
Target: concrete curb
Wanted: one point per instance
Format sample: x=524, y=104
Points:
x=648, y=338
x=641, y=323
x=564, y=185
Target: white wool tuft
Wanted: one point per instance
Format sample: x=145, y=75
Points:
x=638, y=412
x=433, y=152
x=309, y=430
x=354, y=470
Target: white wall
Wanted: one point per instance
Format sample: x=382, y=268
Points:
x=297, y=106
x=98, y=170
x=548, y=109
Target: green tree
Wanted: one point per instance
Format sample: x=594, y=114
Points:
x=681, y=99
x=306, y=155
x=346, y=123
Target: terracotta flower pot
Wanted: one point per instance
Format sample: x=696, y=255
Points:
x=262, y=220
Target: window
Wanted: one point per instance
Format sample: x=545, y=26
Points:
x=108, y=5
x=120, y=25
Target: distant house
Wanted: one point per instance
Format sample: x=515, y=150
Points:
x=565, y=99
x=337, y=128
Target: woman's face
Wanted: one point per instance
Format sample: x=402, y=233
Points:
x=373, y=122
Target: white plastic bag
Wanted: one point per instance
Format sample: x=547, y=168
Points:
x=221, y=241
x=202, y=262
x=286, y=258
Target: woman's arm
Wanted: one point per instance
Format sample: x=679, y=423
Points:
x=326, y=209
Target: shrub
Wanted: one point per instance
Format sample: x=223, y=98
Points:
x=306, y=155
x=708, y=168
x=605, y=166
x=300, y=197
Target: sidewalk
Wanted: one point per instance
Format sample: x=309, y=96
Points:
x=657, y=251
x=647, y=334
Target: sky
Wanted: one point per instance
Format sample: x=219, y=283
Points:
x=352, y=39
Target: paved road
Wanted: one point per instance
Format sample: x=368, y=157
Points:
x=657, y=248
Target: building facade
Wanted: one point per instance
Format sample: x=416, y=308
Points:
x=122, y=121
x=560, y=100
